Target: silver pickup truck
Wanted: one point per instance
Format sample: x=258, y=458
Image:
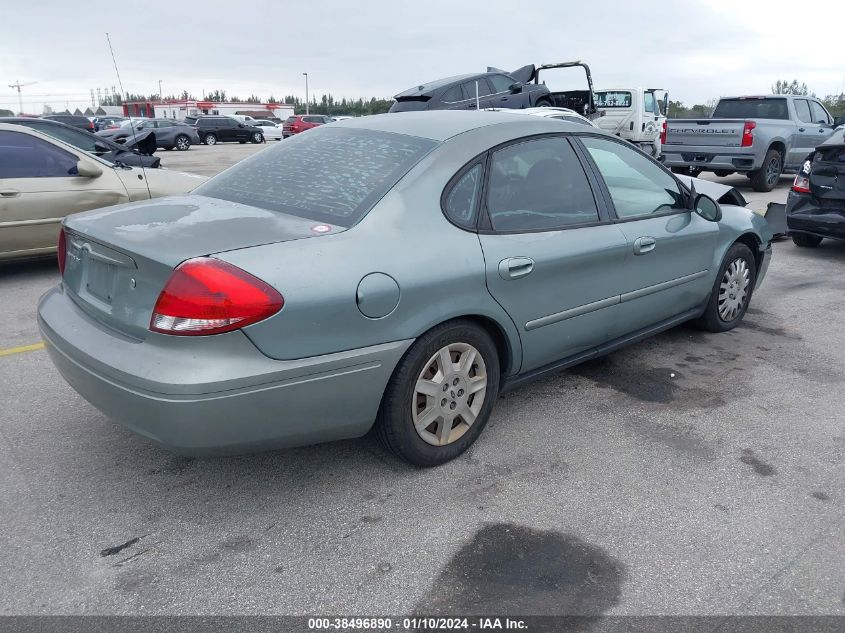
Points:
x=759, y=136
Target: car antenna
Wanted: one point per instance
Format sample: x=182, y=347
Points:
x=477, y=104
x=131, y=124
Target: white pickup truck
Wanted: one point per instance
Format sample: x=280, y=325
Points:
x=635, y=114
x=760, y=136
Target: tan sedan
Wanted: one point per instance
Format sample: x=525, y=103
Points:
x=43, y=179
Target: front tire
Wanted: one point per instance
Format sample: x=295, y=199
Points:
x=258, y=137
x=806, y=241
x=766, y=178
x=210, y=139
x=732, y=291
x=440, y=395
x=543, y=102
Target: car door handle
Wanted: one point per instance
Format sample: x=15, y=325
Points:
x=515, y=267
x=644, y=245
x=503, y=98
x=800, y=129
x=9, y=193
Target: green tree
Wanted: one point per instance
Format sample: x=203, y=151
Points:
x=783, y=87
x=835, y=104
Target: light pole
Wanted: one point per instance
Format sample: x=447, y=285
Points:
x=306, y=92
x=159, y=90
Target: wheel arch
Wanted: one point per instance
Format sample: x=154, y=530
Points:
x=753, y=243
x=780, y=146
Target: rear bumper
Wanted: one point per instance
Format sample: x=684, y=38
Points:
x=710, y=158
x=804, y=215
x=215, y=394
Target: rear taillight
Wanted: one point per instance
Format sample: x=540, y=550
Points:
x=663, y=130
x=801, y=184
x=747, y=135
x=209, y=296
x=62, y=254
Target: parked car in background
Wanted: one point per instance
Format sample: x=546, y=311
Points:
x=815, y=207
x=301, y=122
x=269, y=129
x=103, y=148
x=223, y=129
x=576, y=245
x=169, y=134
x=107, y=122
x=82, y=122
x=43, y=179
x=561, y=114
x=635, y=114
x=341, y=118
x=761, y=137
x=493, y=89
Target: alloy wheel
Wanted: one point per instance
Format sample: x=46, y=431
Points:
x=210, y=139
x=449, y=394
x=773, y=170
x=182, y=143
x=733, y=289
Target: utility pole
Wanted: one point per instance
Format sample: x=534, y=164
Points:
x=160, y=97
x=306, y=92
x=18, y=85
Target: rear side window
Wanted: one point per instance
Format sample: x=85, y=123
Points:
x=501, y=83
x=75, y=137
x=453, y=95
x=24, y=156
x=751, y=109
x=483, y=88
x=332, y=175
x=461, y=199
x=539, y=185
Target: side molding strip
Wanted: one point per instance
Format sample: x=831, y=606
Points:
x=642, y=292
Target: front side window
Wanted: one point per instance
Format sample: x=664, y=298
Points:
x=462, y=198
x=539, y=185
x=802, y=110
x=332, y=174
x=24, y=156
x=77, y=138
x=501, y=83
x=650, y=103
x=637, y=186
x=819, y=113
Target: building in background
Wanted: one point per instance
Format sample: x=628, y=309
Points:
x=179, y=109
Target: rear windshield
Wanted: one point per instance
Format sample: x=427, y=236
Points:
x=751, y=109
x=331, y=175
x=834, y=155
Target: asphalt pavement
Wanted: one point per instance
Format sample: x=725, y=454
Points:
x=693, y=473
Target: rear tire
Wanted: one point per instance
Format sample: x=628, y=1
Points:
x=210, y=139
x=421, y=417
x=732, y=291
x=766, y=178
x=182, y=143
x=543, y=102
x=805, y=240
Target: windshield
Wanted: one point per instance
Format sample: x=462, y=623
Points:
x=331, y=175
x=751, y=109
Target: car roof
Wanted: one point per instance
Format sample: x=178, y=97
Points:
x=431, y=86
x=441, y=125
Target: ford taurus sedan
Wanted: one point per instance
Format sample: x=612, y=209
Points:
x=396, y=272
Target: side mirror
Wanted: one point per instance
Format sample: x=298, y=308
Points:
x=838, y=120
x=87, y=169
x=240, y=125
x=515, y=88
x=101, y=148
x=707, y=208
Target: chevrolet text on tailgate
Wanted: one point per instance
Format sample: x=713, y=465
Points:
x=759, y=136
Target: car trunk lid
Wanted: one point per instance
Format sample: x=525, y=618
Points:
x=827, y=176
x=119, y=259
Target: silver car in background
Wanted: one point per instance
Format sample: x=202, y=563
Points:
x=399, y=270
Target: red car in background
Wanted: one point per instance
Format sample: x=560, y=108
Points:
x=301, y=122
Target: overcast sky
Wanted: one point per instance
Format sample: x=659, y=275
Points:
x=697, y=49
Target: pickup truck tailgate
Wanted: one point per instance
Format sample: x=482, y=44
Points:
x=705, y=132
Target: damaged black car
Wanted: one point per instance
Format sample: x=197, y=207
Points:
x=492, y=89
x=815, y=208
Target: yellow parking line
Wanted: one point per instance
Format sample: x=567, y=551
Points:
x=21, y=349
